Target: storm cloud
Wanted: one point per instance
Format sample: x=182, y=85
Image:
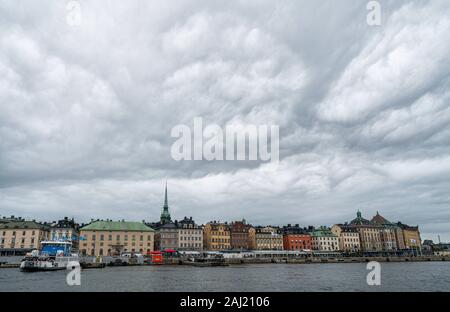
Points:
x=86, y=111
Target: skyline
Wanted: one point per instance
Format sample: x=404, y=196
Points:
x=165, y=213
x=86, y=111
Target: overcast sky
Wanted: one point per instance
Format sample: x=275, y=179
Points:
x=364, y=112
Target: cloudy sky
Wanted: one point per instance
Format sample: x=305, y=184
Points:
x=86, y=109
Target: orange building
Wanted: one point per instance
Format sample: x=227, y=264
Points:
x=296, y=238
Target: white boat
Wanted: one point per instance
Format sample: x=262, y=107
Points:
x=54, y=255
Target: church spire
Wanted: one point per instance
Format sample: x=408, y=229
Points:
x=166, y=203
x=165, y=215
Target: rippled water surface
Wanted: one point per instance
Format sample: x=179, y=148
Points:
x=418, y=276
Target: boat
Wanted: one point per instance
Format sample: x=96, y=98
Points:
x=95, y=263
x=127, y=259
x=54, y=255
x=206, y=260
x=92, y=265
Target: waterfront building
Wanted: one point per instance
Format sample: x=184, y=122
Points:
x=268, y=238
x=167, y=236
x=216, y=236
x=296, y=238
x=324, y=240
x=167, y=232
x=65, y=230
x=18, y=236
x=176, y=235
x=379, y=234
x=369, y=233
x=101, y=238
x=388, y=233
x=348, y=237
x=411, y=236
x=190, y=235
x=242, y=236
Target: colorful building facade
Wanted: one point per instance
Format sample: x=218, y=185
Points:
x=268, y=238
x=216, y=236
x=242, y=236
x=102, y=238
x=348, y=238
x=190, y=235
x=296, y=238
x=323, y=239
x=18, y=236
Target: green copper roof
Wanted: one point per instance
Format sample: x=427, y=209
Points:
x=359, y=220
x=117, y=226
x=326, y=233
x=22, y=224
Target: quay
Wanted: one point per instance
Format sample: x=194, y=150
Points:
x=265, y=260
x=335, y=260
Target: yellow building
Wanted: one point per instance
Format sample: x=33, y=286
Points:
x=115, y=237
x=18, y=236
x=216, y=236
x=411, y=236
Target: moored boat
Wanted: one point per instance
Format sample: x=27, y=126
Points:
x=54, y=255
x=206, y=260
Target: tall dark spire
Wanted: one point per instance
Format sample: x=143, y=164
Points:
x=166, y=203
x=165, y=215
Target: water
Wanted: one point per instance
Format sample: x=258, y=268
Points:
x=413, y=276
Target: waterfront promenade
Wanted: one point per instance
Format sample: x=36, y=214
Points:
x=13, y=262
